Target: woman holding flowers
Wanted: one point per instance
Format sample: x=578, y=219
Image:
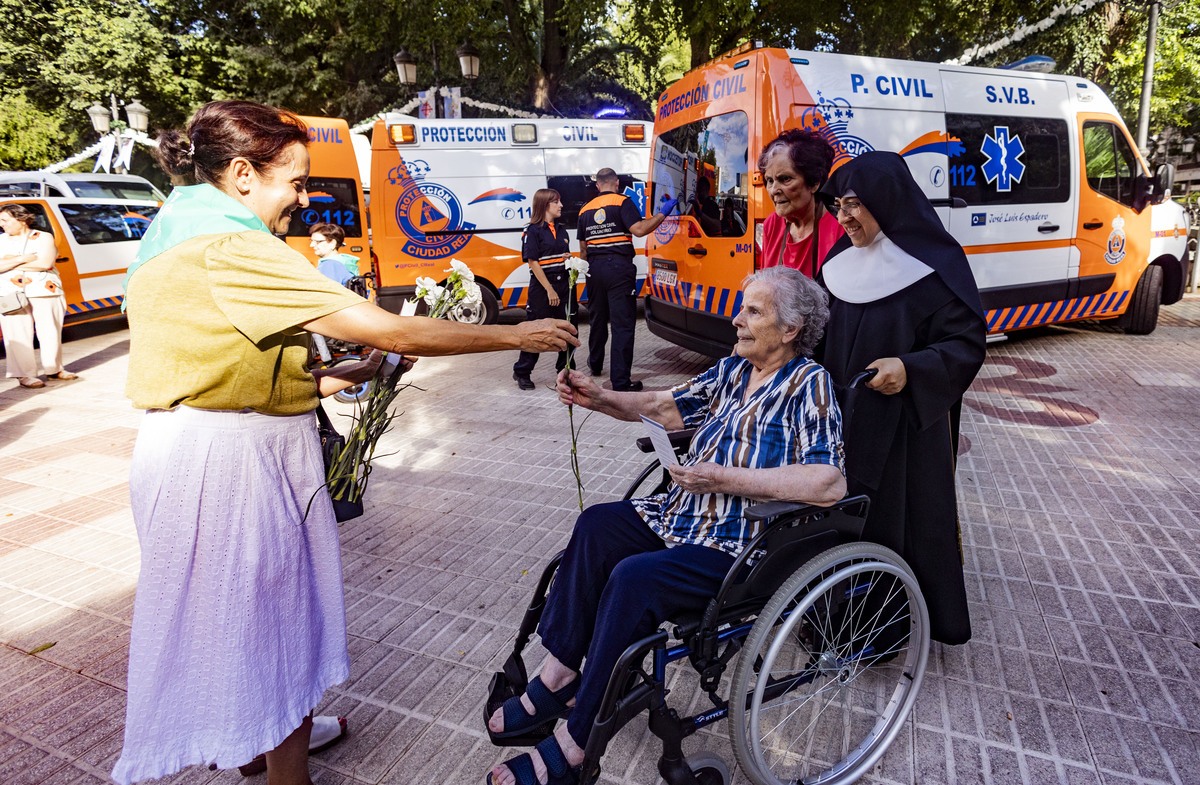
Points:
x=239, y=621
x=545, y=246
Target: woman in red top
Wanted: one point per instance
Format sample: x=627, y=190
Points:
x=794, y=165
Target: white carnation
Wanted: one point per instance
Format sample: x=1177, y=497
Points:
x=425, y=286
x=463, y=271
x=578, y=266
x=433, y=295
x=471, y=293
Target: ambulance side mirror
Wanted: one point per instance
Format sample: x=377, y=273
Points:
x=1164, y=181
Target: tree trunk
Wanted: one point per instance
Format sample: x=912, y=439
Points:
x=541, y=90
x=545, y=79
x=701, y=41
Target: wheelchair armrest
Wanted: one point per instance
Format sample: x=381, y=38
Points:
x=855, y=505
x=766, y=510
x=679, y=440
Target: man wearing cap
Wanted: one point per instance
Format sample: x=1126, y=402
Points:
x=607, y=226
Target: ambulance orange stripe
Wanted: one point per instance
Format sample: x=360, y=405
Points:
x=1008, y=247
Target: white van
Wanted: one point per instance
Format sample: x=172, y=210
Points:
x=1170, y=223
x=463, y=189
x=83, y=185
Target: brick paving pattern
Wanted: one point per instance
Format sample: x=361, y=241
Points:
x=1079, y=489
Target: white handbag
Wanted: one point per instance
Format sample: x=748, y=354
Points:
x=13, y=302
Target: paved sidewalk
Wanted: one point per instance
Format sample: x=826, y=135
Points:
x=1080, y=494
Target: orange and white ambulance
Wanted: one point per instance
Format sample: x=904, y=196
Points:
x=463, y=189
x=1035, y=174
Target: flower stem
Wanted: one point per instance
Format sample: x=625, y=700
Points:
x=570, y=407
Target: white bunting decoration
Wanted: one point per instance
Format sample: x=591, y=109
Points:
x=976, y=52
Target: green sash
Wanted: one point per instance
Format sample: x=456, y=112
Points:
x=191, y=211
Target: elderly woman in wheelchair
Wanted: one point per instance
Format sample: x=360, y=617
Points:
x=767, y=429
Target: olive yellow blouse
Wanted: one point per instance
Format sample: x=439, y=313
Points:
x=214, y=324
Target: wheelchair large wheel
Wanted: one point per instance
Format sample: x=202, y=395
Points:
x=831, y=669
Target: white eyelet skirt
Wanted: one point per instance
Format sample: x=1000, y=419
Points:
x=239, y=623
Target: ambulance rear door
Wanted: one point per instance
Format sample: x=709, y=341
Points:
x=463, y=189
x=574, y=153
x=335, y=193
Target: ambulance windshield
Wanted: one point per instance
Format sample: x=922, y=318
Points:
x=703, y=164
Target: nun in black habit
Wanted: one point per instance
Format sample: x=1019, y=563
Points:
x=903, y=301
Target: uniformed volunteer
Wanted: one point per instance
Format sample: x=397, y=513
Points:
x=545, y=246
x=607, y=226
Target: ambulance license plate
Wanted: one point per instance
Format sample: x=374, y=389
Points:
x=665, y=277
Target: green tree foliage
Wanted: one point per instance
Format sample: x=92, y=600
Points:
x=28, y=136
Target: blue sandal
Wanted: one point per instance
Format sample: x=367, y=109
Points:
x=548, y=707
x=558, y=771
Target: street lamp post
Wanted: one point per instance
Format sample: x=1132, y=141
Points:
x=137, y=114
x=406, y=69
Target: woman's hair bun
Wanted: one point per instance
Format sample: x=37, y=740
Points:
x=175, y=154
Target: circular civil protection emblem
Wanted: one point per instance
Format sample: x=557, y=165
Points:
x=424, y=208
x=667, y=229
x=598, y=216
x=1115, y=249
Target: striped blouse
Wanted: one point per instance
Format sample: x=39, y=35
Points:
x=792, y=418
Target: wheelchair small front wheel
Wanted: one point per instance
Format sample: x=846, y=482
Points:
x=356, y=393
x=831, y=669
x=708, y=768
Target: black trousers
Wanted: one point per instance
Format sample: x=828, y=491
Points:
x=538, y=306
x=612, y=300
x=617, y=582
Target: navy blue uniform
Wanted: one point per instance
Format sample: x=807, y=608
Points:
x=612, y=281
x=549, y=247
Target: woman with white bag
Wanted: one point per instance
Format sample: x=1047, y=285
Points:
x=31, y=299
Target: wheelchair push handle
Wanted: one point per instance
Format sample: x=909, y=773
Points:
x=863, y=377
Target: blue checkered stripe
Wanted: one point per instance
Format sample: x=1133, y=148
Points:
x=791, y=419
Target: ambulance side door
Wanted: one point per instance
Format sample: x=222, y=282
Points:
x=1113, y=238
x=1011, y=190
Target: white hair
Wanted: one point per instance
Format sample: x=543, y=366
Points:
x=800, y=303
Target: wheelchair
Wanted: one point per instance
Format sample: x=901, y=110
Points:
x=827, y=635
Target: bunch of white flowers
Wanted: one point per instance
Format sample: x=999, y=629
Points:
x=460, y=293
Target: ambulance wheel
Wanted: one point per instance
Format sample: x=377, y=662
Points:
x=487, y=312
x=1147, y=296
